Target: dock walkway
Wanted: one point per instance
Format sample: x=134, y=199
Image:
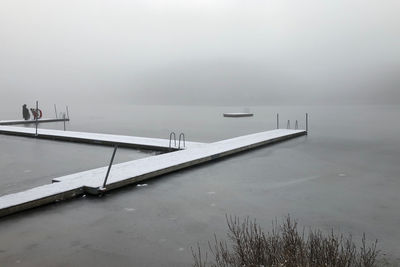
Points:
x=122, y=174
x=15, y=122
x=96, y=138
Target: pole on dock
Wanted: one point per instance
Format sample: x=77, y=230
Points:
x=67, y=112
x=64, y=120
x=55, y=110
x=277, y=120
x=307, y=123
x=109, y=167
x=36, y=117
x=288, y=124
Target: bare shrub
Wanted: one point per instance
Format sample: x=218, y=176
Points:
x=248, y=245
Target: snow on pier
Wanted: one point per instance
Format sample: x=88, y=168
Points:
x=137, y=170
x=96, y=138
x=15, y=122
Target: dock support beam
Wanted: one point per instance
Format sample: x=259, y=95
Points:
x=109, y=167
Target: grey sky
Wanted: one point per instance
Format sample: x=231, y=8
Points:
x=201, y=52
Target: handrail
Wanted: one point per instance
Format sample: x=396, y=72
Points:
x=183, y=138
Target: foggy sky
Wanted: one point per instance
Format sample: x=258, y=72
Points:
x=218, y=52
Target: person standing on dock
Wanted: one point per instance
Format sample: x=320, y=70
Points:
x=25, y=112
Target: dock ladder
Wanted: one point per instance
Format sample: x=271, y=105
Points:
x=172, y=136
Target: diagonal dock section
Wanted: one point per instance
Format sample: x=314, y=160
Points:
x=95, y=138
x=16, y=122
x=138, y=170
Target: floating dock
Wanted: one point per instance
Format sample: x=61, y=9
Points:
x=15, y=122
x=131, y=172
x=98, y=139
x=238, y=114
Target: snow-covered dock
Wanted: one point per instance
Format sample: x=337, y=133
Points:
x=97, y=138
x=137, y=170
x=15, y=122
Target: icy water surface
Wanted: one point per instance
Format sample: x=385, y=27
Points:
x=344, y=175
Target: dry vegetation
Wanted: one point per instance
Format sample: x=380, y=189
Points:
x=248, y=245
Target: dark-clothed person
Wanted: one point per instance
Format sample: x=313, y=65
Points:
x=25, y=112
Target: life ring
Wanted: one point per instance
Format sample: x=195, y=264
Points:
x=40, y=113
x=37, y=114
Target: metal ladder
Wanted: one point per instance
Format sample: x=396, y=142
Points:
x=181, y=138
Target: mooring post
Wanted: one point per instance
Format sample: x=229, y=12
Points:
x=67, y=112
x=109, y=167
x=55, y=109
x=36, y=117
x=306, y=123
x=277, y=120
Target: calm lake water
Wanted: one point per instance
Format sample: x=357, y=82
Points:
x=344, y=175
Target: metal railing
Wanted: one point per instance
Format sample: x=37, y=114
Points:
x=170, y=139
x=36, y=118
x=183, y=138
x=172, y=136
x=296, y=126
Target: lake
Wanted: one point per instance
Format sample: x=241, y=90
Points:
x=344, y=175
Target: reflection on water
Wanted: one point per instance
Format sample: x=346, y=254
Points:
x=345, y=175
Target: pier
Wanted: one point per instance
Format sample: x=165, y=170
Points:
x=135, y=171
x=16, y=122
x=157, y=144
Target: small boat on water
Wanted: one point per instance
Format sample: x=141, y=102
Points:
x=238, y=114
